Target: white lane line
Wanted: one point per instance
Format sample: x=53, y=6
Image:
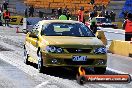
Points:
x=42, y=84
x=117, y=71
x=107, y=86
x=124, y=57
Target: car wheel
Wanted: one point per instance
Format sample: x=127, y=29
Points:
x=81, y=80
x=26, y=57
x=99, y=70
x=24, y=31
x=40, y=62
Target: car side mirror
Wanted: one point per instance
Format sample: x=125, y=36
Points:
x=99, y=37
x=33, y=36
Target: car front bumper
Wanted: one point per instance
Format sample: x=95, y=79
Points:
x=52, y=59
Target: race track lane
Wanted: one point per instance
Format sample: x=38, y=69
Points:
x=12, y=53
x=120, y=63
x=12, y=77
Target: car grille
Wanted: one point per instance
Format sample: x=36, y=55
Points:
x=74, y=50
x=70, y=62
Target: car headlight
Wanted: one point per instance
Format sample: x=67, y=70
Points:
x=115, y=25
x=101, y=50
x=54, y=49
x=59, y=50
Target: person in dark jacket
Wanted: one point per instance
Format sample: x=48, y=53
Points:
x=26, y=12
x=31, y=11
x=5, y=5
x=107, y=16
x=59, y=12
x=68, y=16
x=112, y=16
x=1, y=18
x=93, y=23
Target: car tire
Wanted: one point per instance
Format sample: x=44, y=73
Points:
x=26, y=56
x=81, y=80
x=99, y=70
x=40, y=62
x=24, y=31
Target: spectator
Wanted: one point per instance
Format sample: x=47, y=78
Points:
x=100, y=14
x=59, y=11
x=128, y=27
x=107, y=16
x=124, y=14
x=91, y=15
x=26, y=12
x=63, y=16
x=103, y=11
x=0, y=18
x=1, y=8
x=5, y=5
x=81, y=15
x=31, y=11
x=68, y=16
x=41, y=14
x=53, y=11
x=99, y=8
x=66, y=9
x=6, y=17
x=112, y=16
x=93, y=23
x=92, y=2
x=95, y=8
x=103, y=7
x=95, y=13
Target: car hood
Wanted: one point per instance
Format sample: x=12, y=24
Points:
x=68, y=40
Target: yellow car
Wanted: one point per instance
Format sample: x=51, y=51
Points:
x=64, y=43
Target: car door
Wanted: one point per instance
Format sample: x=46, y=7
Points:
x=27, y=43
x=33, y=38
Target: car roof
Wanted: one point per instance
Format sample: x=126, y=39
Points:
x=58, y=21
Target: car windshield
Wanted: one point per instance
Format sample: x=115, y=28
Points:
x=103, y=20
x=67, y=29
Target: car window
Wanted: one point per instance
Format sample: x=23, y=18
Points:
x=33, y=20
x=67, y=29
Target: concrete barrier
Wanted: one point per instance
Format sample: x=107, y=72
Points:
x=130, y=49
x=101, y=34
x=116, y=42
x=121, y=47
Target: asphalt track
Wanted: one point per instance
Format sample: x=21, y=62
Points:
x=15, y=74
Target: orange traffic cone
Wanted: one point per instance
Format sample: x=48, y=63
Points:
x=17, y=31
